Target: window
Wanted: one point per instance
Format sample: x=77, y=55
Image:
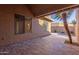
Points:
x=22, y=24
x=19, y=24
x=28, y=25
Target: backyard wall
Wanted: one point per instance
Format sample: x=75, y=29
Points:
x=7, y=28
x=61, y=29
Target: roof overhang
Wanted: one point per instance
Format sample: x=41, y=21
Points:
x=44, y=18
x=39, y=10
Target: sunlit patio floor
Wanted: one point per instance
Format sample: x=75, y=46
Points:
x=48, y=45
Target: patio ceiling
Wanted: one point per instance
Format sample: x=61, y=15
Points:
x=45, y=9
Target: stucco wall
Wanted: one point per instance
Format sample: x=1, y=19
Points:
x=77, y=24
x=48, y=25
x=7, y=33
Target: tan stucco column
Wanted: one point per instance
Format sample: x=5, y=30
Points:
x=77, y=24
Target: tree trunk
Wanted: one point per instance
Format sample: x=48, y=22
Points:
x=66, y=27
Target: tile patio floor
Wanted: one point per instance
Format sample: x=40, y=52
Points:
x=49, y=45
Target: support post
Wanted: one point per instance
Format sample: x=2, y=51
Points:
x=64, y=16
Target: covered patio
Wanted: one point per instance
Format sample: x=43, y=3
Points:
x=31, y=39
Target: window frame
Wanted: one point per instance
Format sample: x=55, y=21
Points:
x=15, y=20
